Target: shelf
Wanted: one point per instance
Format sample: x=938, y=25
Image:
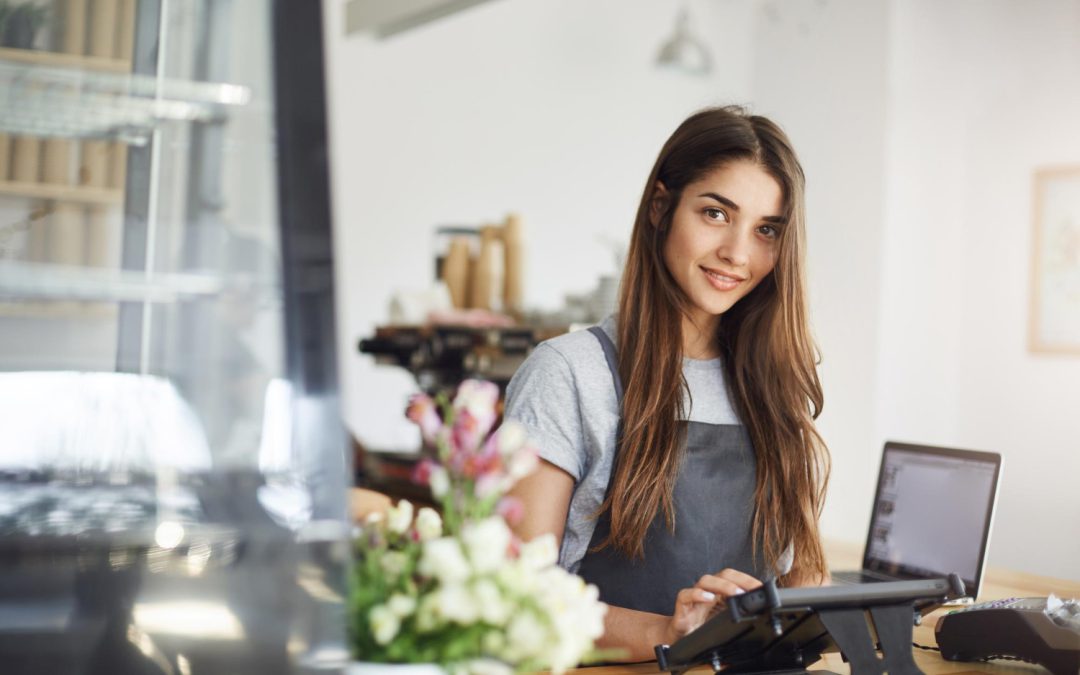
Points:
x=58, y=310
x=50, y=101
x=57, y=60
x=65, y=193
x=20, y=281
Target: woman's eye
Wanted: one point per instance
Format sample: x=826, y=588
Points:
x=769, y=231
x=715, y=214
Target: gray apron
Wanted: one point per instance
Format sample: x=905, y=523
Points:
x=713, y=499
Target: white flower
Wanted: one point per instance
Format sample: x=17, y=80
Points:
x=526, y=637
x=539, y=553
x=427, y=614
x=522, y=579
x=493, y=642
x=373, y=519
x=510, y=438
x=574, y=613
x=399, y=518
x=428, y=524
x=393, y=563
x=522, y=463
x=401, y=605
x=493, y=607
x=487, y=667
x=489, y=484
x=478, y=398
x=444, y=560
x=456, y=604
x=439, y=481
x=384, y=624
x=486, y=543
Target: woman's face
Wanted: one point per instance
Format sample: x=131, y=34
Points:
x=724, y=238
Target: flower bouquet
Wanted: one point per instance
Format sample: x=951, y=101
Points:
x=460, y=590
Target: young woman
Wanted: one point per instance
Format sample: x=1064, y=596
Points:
x=681, y=461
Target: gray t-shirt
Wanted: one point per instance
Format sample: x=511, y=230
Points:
x=565, y=397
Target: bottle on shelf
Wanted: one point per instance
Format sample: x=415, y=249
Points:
x=455, y=271
x=26, y=159
x=512, y=266
x=485, y=291
x=5, y=156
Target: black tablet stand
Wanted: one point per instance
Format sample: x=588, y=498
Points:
x=781, y=631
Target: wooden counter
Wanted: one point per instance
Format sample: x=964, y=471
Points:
x=997, y=583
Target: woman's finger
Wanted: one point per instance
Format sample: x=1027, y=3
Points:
x=692, y=607
x=688, y=597
x=724, y=588
x=741, y=579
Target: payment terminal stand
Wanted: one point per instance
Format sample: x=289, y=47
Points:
x=783, y=630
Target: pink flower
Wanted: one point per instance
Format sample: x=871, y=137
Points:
x=488, y=484
x=423, y=412
x=421, y=474
x=479, y=398
x=468, y=432
x=512, y=509
x=432, y=474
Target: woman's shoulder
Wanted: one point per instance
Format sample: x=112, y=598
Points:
x=564, y=397
x=581, y=343
x=574, y=359
x=575, y=347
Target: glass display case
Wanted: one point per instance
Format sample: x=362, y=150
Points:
x=173, y=473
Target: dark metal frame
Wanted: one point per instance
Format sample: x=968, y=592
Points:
x=778, y=631
x=306, y=238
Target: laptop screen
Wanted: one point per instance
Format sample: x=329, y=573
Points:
x=932, y=512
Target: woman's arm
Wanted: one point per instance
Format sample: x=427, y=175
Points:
x=637, y=633
x=546, y=494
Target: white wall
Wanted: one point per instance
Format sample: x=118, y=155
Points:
x=918, y=122
x=833, y=106
x=552, y=109
x=981, y=94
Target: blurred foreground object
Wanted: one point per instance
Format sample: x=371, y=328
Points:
x=174, y=469
x=459, y=590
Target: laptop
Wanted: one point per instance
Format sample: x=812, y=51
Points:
x=933, y=511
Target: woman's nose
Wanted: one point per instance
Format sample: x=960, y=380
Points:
x=735, y=248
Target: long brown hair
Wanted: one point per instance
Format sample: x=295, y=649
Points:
x=770, y=358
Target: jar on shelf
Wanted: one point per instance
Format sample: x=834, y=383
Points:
x=455, y=248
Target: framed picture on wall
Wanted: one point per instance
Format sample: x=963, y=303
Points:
x=1054, y=323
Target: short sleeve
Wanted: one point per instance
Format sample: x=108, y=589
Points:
x=543, y=397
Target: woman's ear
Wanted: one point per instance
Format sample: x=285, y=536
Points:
x=658, y=203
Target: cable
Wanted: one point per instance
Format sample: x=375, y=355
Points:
x=1004, y=657
x=994, y=657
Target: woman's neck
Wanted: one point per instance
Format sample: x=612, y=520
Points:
x=699, y=336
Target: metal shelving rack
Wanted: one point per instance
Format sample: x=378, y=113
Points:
x=167, y=345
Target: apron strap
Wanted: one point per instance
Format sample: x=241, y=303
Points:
x=612, y=360
x=613, y=365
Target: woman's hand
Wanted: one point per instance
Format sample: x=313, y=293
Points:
x=693, y=606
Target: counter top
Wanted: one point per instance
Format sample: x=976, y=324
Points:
x=997, y=583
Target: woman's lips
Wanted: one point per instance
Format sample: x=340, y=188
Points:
x=722, y=281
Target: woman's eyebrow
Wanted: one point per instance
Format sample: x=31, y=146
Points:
x=735, y=207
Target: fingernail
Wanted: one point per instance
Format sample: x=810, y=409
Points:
x=739, y=592
x=708, y=595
